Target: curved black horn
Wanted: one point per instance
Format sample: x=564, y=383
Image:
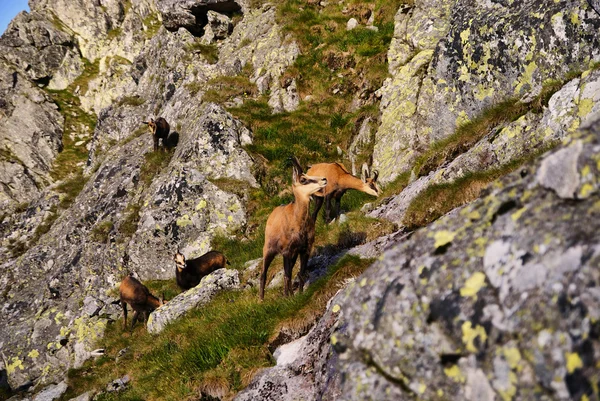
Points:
x=375, y=175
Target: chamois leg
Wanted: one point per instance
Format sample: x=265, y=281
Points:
x=124, y=306
x=155, y=142
x=267, y=259
x=302, y=272
x=318, y=204
x=288, y=265
x=328, y=209
x=338, y=201
x=134, y=319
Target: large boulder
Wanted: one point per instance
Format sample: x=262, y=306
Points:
x=192, y=14
x=210, y=285
x=31, y=129
x=40, y=51
x=472, y=55
x=499, y=299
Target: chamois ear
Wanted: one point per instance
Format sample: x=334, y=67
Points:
x=151, y=120
x=375, y=175
x=296, y=168
x=145, y=122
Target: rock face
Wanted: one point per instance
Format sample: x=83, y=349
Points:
x=217, y=281
x=192, y=14
x=496, y=300
x=26, y=158
x=450, y=61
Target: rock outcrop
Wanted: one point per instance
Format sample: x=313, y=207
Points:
x=496, y=300
x=451, y=61
x=217, y=281
x=193, y=14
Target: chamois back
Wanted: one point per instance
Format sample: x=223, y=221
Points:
x=137, y=295
x=188, y=273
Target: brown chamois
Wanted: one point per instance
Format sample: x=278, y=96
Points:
x=160, y=130
x=136, y=294
x=339, y=180
x=189, y=273
x=290, y=231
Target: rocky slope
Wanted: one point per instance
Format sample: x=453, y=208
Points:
x=497, y=300
x=130, y=215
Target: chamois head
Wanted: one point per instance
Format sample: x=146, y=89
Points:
x=179, y=260
x=305, y=185
x=371, y=186
x=151, y=125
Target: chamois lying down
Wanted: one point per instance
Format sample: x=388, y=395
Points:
x=189, y=272
x=339, y=180
x=136, y=294
x=290, y=231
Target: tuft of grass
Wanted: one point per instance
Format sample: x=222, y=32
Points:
x=213, y=349
x=439, y=199
x=209, y=52
x=225, y=88
x=70, y=188
x=152, y=25
x=128, y=225
x=131, y=101
x=101, y=231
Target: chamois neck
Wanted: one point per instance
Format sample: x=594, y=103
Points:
x=349, y=181
x=153, y=301
x=300, y=205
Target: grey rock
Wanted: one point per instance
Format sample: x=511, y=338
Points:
x=438, y=81
x=217, y=281
x=559, y=171
x=52, y=392
x=219, y=27
x=192, y=14
x=118, y=385
x=351, y=24
x=87, y=396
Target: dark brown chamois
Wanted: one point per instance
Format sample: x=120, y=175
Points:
x=339, y=180
x=189, y=272
x=136, y=294
x=290, y=231
x=160, y=130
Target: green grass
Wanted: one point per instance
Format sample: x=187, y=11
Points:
x=101, y=231
x=215, y=348
x=225, y=88
x=437, y=200
x=209, y=52
x=152, y=24
x=131, y=101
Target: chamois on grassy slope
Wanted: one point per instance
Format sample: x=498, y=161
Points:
x=160, y=130
x=188, y=273
x=290, y=231
x=339, y=180
x=134, y=293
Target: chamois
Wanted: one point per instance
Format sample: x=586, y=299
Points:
x=339, y=180
x=189, y=273
x=136, y=294
x=290, y=231
x=159, y=129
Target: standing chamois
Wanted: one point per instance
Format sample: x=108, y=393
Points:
x=189, y=273
x=136, y=294
x=339, y=180
x=160, y=130
x=290, y=231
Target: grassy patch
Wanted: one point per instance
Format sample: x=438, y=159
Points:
x=209, y=52
x=224, y=88
x=70, y=188
x=131, y=101
x=215, y=349
x=101, y=231
x=152, y=25
x=439, y=199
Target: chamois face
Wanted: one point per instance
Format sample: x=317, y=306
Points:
x=179, y=261
x=308, y=184
x=371, y=183
x=151, y=125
